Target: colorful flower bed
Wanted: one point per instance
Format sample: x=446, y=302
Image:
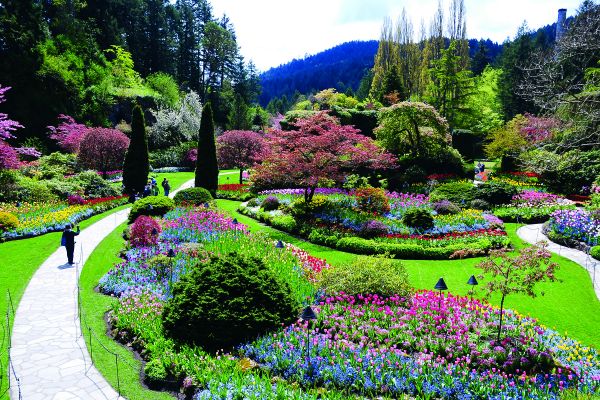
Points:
x=39, y=218
x=578, y=224
x=532, y=206
x=429, y=347
x=362, y=221
x=234, y=191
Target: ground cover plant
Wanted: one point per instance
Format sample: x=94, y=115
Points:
x=34, y=219
x=373, y=221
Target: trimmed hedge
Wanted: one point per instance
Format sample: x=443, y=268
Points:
x=192, y=197
x=595, y=252
x=152, y=206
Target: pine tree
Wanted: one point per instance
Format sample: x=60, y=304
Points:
x=207, y=169
x=137, y=165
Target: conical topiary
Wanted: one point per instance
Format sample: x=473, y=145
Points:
x=137, y=165
x=207, y=168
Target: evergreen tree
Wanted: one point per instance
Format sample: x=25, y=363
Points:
x=207, y=169
x=137, y=165
x=481, y=59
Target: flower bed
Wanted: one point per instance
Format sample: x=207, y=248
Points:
x=234, y=191
x=373, y=346
x=532, y=206
x=371, y=221
x=576, y=225
x=39, y=218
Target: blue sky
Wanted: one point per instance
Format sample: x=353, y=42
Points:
x=273, y=32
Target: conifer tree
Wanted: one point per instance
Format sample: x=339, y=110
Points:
x=137, y=165
x=207, y=169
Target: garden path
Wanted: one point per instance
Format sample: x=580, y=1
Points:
x=48, y=352
x=533, y=234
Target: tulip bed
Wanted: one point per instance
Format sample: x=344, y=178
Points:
x=532, y=206
x=39, y=218
x=341, y=224
x=425, y=346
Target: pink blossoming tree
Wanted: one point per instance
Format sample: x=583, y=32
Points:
x=9, y=156
x=319, y=149
x=68, y=133
x=239, y=149
x=103, y=149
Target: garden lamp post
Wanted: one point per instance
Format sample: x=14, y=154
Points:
x=171, y=255
x=440, y=285
x=279, y=245
x=307, y=315
x=473, y=282
x=235, y=221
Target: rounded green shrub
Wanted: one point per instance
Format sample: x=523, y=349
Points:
x=153, y=206
x=301, y=209
x=192, y=197
x=227, y=301
x=446, y=207
x=372, y=200
x=479, y=204
x=373, y=228
x=374, y=275
x=595, y=252
x=270, y=203
x=460, y=193
x=8, y=221
x=418, y=218
x=496, y=193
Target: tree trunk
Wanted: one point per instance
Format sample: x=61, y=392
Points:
x=500, y=326
x=241, y=175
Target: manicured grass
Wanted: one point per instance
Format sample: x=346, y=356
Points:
x=176, y=179
x=570, y=306
x=229, y=176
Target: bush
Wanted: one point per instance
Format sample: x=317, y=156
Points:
x=8, y=221
x=300, y=209
x=418, y=218
x=63, y=188
x=155, y=372
x=372, y=200
x=496, y=193
x=285, y=223
x=374, y=228
x=595, y=252
x=270, y=203
x=33, y=191
x=144, y=232
x=192, y=197
x=373, y=275
x=253, y=202
x=457, y=192
x=227, y=301
x=446, y=207
x=155, y=206
x=479, y=204
x=56, y=165
x=94, y=186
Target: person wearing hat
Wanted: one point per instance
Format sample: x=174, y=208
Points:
x=68, y=240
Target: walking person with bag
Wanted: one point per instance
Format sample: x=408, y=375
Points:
x=68, y=240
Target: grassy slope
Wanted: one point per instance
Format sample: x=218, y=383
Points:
x=570, y=306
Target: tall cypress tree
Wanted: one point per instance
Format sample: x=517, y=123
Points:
x=207, y=169
x=137, y=165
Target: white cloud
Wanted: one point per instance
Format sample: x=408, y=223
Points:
x=273, y=32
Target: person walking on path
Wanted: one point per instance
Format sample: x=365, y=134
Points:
x=68, y=240
x=166, y=186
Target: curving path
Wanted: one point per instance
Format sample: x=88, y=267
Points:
x=48, y=352
x=533, y=234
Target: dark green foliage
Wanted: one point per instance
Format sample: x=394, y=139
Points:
x=363, y=120
x=192, y=197
x=207, y=168
x=496, y=193
x=380, y=276
x=155, y=372
x=371, y=229
x=460, y=193
x=227, y=301
x=479, y=204
x=446, y=207
x=468, y=143
x=418, y=218
x=137, y=164
x=174, y=156
x=154, y=206
x=270, y=203
x=94, y=186
x=574, y=170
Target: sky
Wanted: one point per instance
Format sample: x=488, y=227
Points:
x=273, y=32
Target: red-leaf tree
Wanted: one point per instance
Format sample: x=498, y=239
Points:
x=68, y=133
x=9, y=156
x=319, y=149
x=239, y=149
x=103, y=149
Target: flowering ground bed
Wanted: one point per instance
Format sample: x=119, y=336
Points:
x=423, y=345
x=361, y=222
x=36, y=219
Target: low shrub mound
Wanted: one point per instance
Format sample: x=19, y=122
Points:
x=595, y=252
x=301, y=209
x=154, y=206
x=418, y=218
x=479, y=204
x=192, y=197
x=372, y=200
x=8, y=221
x=374, y=228
x=496, y=193
x=460, y=193
x=446, y=207
x=227, y=301
x=271, y=203
x=376, y=275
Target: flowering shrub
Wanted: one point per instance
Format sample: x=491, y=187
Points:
x=418, y=218
x=532, y=198
x=144, y=232
x=372, y=200
x=8, y=221
x=373, y=228
x=445, y=207
x=234, y=187
x=270, y=203
x=432, y=346
x=75, y=199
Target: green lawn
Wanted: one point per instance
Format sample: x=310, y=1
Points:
x=571, y=306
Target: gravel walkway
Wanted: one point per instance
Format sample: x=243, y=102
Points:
x=533, y=234
x=48, y=352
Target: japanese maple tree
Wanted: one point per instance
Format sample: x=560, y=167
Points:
x=68, y=133
x=103, y=149
x=239, y=149
x=9, y=155
x=318, y=149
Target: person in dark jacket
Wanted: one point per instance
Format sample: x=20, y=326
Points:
x=68, y=240
x=166, y=186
